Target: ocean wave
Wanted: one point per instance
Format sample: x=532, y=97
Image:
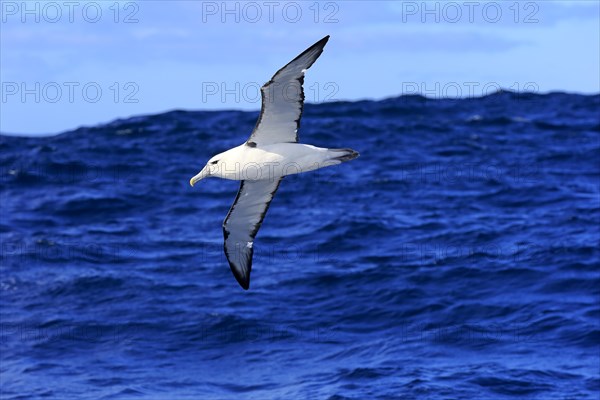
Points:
x=456, y=258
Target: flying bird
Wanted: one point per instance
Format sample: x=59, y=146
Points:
x=271, y=152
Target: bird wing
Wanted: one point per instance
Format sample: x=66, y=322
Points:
x=242, y=224
x=283, y=100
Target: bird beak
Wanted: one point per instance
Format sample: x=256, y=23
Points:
x=201, y=175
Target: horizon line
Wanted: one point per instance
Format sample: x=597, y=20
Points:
x=337, y=101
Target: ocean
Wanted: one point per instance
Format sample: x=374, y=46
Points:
x=456, y=258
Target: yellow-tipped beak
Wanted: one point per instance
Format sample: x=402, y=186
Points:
x=201, y=175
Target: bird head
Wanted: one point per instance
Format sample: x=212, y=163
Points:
x=211, y=168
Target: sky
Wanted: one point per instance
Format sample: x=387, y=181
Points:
x=66, y=64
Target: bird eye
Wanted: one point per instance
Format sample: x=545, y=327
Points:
x=214, y=162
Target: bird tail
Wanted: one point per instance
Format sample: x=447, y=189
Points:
x=343, y=155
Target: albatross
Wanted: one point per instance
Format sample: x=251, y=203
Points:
x=271, y=152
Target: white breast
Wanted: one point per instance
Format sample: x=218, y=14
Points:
x=271, y=161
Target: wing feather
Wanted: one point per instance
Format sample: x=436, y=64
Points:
x=283, y=100
x=243, y=222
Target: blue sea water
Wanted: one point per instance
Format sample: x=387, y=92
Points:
x=457, y=258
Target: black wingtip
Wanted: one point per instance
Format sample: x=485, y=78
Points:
x=245, y=284
x=322, y=42
x=242, y=279
x=318, y=45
